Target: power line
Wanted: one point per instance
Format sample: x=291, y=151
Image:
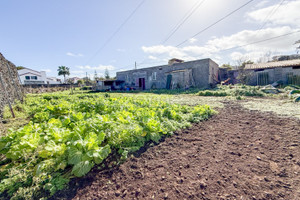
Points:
x=260, y=41
x=209, y=25
x=142, y=63
x=179, y=24
x=279, y=36
x=117, y=30
x=215, y=22
x=270, y=14
x=183, y=20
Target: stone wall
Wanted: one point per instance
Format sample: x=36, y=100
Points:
x=10, y=88
x=275, y=74
x=204, y=73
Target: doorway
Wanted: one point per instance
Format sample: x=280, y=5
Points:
x=142, y=83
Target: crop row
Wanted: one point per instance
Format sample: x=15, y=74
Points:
x=68, y=135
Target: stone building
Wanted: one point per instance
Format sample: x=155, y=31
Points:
x=177, y=74
x=287, y=71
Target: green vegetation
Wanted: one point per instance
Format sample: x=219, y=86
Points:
x=70, y=134
x=235, y=91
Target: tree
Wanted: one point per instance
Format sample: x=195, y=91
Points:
x=70, y=81
x=266, y=57
x=87, y=81
x=63, y=71
x=106, y=74
x=20, y=67
x=226, y=66
x=80, y=82
x=96, y=78
x=244, y=75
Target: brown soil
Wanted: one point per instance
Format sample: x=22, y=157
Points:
x=238, y=154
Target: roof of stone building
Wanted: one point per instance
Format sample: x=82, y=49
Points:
x=285, y=63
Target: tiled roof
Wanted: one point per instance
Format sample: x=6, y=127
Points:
x=285, y=63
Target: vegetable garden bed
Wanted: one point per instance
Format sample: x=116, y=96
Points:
x=68, y=135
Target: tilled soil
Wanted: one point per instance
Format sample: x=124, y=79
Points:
x=238, y=154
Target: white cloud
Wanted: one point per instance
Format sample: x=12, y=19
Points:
x=152, y=57
x=241, y=41
x=169, y=51
x=192, y=40
x=246, y=44
x=287, y=14
x=74, y=54
x=76, y=72
x=249, y=36
x=99, y=67
x=261, y=4
x=159, y=49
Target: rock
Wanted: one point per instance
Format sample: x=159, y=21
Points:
x=258, y=158
x=166, y=196
x=179, y=180
x=117, y=193
x=203, y=185
x=266, y=179
x=274, y=167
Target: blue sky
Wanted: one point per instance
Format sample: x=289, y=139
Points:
x=43, y=35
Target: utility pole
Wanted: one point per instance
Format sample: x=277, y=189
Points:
x=134, y=65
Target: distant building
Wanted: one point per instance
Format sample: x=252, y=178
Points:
x=30, y=76
x=287, y=71
x=107, y=85
x=53, y=80
x=177, y=74
x=73, y=80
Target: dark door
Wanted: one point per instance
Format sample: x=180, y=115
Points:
x=169, y=79
x=142, y=83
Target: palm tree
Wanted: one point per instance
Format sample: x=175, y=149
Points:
x=63, y=70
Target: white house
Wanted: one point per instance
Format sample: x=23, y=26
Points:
x=53, y=80
x=30, y=76
x=73, y=80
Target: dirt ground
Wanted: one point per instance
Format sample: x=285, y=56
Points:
x=238, y=154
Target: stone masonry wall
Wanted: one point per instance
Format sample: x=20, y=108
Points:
x=10, y=88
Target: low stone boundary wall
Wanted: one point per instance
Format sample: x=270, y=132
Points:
x=10, y=87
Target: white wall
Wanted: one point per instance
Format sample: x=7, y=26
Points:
x=41, y=77
x=23, y=73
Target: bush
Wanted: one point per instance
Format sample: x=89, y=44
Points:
x=87, y=88
x=212, y=93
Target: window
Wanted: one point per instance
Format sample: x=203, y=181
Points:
x=34, y=77
x=27, y=77
x=154, y=76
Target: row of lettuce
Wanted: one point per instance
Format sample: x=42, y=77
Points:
x=68, y=135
